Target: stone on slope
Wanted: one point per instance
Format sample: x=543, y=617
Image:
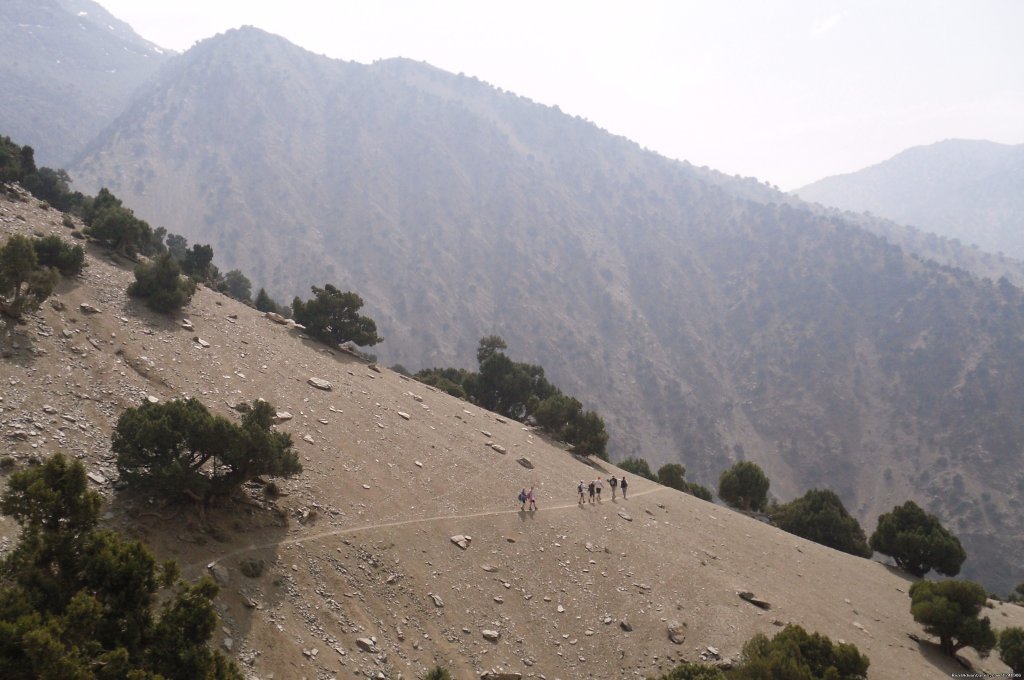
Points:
x=320, y=384
x=491, y=635
x=88, y=309
x=461, y=541
x=500, y=675
x=525, y=462
x=366, y=644
x=676, y=632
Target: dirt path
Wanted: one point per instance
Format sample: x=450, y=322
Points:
x=386, y=525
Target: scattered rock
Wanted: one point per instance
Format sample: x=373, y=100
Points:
x=152, y=399
x=276, y=318
x=461, y=541
x=374, y=367
x=624, y=625
x=220, y=573
x=308, y=439
x=438, y=602
x=625, y=515
x=498, y=447
x=491, y=635
x=281, y=416
x=403, y=415
x=97, y=477
x=754, y=600
x=320, y=384
x=88, y=309
x=228, y=644
x=501, y=675
x=187, y=325
x=489, y=568
x=417, y=463
x=525, y=462
x=676, y=632
x=366, y=644
x=199, y=341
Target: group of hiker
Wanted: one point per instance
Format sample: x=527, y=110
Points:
x=595, y=487
x=593, y=490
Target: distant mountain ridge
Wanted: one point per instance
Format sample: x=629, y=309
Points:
x=968, y=190
x=67, y=68
x=705, y=323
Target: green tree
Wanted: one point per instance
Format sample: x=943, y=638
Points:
x=161, y=285
x=949, y=610
x=744, y=486
x=820, y=516
x=177, y=246
x=332, y=316
x=179, y=448
x=238, y=285
x=1017, y=594
x=77, y=602
x=701, y=492
x=198, y=262
x=795, y=654
x=638, y=467
x=692, y=671
x=264, y=302
x=1011, y=648
x=23, y=284
x=673, y=475
x=53, y=251
x=917, y=541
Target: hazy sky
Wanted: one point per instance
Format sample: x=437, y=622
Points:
x=788, y=91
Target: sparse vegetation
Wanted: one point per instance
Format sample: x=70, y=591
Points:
x=23, y=283
x=437, y=673
x=820, y=516
x=252, y=567
x=917, y=541
x=180, y=449
x=638, y=467
x=78, y=602
x=949, y=610
x=161, y=285
x=332, y=316
x=237, y=285
x=520, y=391
x=744, y=486
x=111, y=223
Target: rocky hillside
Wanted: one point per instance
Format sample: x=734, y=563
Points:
x=361, y=576
x=705, y=325
x=968, y=190
x=67, y=68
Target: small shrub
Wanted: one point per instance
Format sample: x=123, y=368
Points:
x=23, y=283
x=53, y=251
x=1011, y=648
x=795, y=653
x=77, y=234
x=161, y=285
x=252, y=568
x=692, y=671
x=67, y=221
x=701, y=492
x=271, y=490
x=7, y=463
x=638, y=467
x=437, y=673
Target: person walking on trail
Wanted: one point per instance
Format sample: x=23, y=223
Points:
x=522, y=500
x=532, y=500
x=613, y=483
x=590, y=490
x=580, y=490
x=622, y=485
x=599, y=484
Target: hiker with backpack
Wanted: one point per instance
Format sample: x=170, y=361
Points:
x=613, y=483
x=522, y=500
x=590, y=490
x=532, y=500
x=579, y=490
x=622, y=485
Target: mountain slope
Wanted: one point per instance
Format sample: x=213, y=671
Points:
x=705, y=327
x=67, y=68
x=359, y=544
x=968, y=190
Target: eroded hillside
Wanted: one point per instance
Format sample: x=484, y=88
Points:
x=359, y=547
